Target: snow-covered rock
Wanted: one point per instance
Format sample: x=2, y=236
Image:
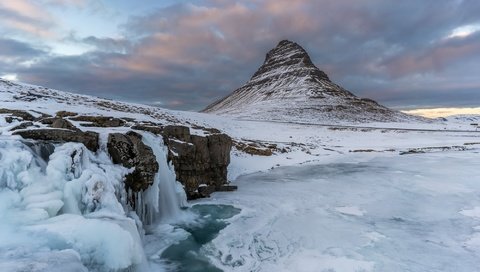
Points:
x=289, y=87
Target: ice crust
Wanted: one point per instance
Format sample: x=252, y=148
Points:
x=73, y=209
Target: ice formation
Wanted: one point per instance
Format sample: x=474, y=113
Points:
x=164, y=199
x=73, y=208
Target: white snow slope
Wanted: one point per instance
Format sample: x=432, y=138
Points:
x=356, y=203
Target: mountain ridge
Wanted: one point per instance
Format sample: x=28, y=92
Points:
x=289, y=84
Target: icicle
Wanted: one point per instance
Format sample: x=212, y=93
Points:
x=164, y=199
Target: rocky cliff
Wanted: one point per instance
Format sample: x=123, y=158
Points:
x=200, y=161
x=289, y=87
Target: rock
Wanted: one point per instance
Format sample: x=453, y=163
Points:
x=63, y=114
x=227, y=188
x=219, y=146
x=62, y=123
x=205, y=191
x=89, y=138
x=23, y=125
x=198, y=160
x=152, y=129
x=99, y=121
x=18, y=113
x=58, y=122
x=129, y=150
x=10, y=119
x=41, y=149
x=180, y=132
x=253, y=149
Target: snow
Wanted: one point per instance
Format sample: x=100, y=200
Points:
x=475, y=212
x=365, y=213
x=350, y=210
x=340, y=198
x=67, y=209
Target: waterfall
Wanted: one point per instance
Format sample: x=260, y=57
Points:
x=79, y=198
x=72, y=196
x=161, y=202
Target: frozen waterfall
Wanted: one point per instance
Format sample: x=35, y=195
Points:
x=69, y=204
x=161, y=202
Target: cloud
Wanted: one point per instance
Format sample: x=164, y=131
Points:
x=17, y=49
x=435, y=57
x=190, y=54
x=26, y=17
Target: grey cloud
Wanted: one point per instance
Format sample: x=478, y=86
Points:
x=18, y=49
x=187, y=55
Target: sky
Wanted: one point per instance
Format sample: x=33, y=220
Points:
x=186, y=54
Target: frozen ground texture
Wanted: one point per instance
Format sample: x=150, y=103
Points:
x=355, y=205
x=416, y=212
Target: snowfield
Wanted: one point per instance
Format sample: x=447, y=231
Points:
x=415, y=212
x=330, y=197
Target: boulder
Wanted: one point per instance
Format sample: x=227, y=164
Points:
x=200, y=162
x=18, y=113
x=152, y=129
x=58, y=122
x=63, y=114
x=181, y=133
x=62, y=123
x=129, y=150
x=99, y=121
x=88, y=138
x=23, y=125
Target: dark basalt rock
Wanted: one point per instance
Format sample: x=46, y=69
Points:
x=181, y=133
x=41, y=149
x=89, y=138
x=129, y=150
x=18, y=113
x=99, y=121
x=152, y=129
x=63, y=114
x=23, y=125
x=200, y=162
x=58, y=122
x=63, y=123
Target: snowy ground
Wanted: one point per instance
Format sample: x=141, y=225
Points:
x=365, y=212
x=341, y=198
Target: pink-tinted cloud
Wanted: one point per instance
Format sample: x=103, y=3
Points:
x=434, y=58
x=197, y=51
x=25, y=16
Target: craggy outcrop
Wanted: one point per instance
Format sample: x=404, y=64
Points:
x=152, y=129
x=129, y=150
x=99, y=121
x=63, y=114
x=58, y=122
x=18, y=113
x=88, y=138
x=200, y=162
x=23, y=125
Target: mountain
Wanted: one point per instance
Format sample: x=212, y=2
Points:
x=289, y=87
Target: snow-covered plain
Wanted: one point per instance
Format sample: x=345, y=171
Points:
x=336, y=197
x=367, y=212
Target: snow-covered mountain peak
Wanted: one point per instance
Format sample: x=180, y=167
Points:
x=289, y=87
x=288, y=59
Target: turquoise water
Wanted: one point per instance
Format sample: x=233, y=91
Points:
x=186, y=255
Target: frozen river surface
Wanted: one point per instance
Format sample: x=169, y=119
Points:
x=416, y=212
